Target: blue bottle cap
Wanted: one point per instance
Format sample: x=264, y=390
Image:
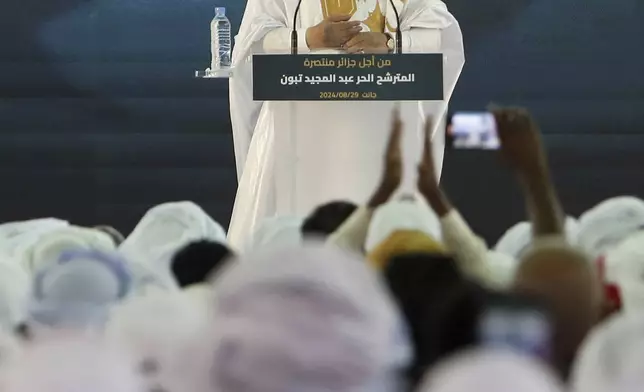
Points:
x=220, y=11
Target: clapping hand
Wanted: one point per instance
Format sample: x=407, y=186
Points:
x=393, y=168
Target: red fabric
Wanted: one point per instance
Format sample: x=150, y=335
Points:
x=612, y=292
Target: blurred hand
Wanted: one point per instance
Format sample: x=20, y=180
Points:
x=521, y=144
x=392, y=172
x=427, y=181
x=333, y=32
x=367, y=42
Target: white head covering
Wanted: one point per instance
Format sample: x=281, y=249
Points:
x=172, y=332
x=402, y=215
x=167, y=228
x=18, y=235
x=624, y=266
x=518, y=238
x=277, y=232
x=610, y=222
x=314, y=319
x=64, y=365
x=490, y=371
x=48, y=247
x=79, y=288
x=15, y=287
x=147, y=280
x=612, y=356
x=502, y=269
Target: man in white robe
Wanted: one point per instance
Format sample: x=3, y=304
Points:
x=337, y=150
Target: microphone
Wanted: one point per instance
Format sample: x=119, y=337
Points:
x=294, y=43
x=398, y=32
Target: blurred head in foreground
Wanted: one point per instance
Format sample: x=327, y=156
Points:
x=440, y=306
x=311, y=318
x=196, y=261
x=71, y=364
x=612, y=356
x=78, y=290
x=327, y=218
x=566, y=282
x=491, y=371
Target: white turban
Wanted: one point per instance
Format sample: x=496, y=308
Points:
x=607, y=224
x=490, y=371
x=48, y=247
x=277, y=232
x=78, y=289
x=15, y=288
x=148, y=280
x=611, y=359
x=15, y=236
x=402, y=215
x=167, y=228
x=169, y=333
x=306, y=319
x=518, y=238
x=64, y=365
x=502, y=269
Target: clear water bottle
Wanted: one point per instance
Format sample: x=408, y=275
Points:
x=220, y=40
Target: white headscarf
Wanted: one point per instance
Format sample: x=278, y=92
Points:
x=502, y=269
x=518, y=238
x=611, y=358
x=402, y=215
x=78, y=290
x=48, y=246
x=167, y=228
x=15, y=236
x=64, y=365
x=169, y=333
x=306, y=319
x=277, y=232
x=15, y=287
x=490, y=371
x=624, y=266
x=147, y=280
x=608, y=223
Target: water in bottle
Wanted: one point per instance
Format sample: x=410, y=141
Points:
x=220, y=40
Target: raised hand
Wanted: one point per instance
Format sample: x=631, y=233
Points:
x=521, y=145
x=427, y=181
x=393, y=167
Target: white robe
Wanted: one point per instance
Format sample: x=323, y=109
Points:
x=338, y=154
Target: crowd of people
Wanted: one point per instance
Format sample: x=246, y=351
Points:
x=395, y=295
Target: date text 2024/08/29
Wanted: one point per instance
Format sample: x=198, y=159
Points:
x=347, y=95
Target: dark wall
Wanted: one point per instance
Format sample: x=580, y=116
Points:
x=100, y=116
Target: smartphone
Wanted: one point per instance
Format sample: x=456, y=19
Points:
x=516, y=324
x=473, y=130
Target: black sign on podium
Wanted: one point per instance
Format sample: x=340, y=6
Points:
x=358, y=77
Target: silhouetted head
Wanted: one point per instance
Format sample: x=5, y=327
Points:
x=195, y=262
x=564, y=279
x=326, y=218
x=435, y=300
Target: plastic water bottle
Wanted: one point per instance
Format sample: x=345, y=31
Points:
x=220, y=40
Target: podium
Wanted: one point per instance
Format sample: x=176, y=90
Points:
x=299, y=90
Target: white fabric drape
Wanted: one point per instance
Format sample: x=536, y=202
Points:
x=338, y=153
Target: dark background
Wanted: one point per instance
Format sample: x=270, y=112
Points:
x=100, y=117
